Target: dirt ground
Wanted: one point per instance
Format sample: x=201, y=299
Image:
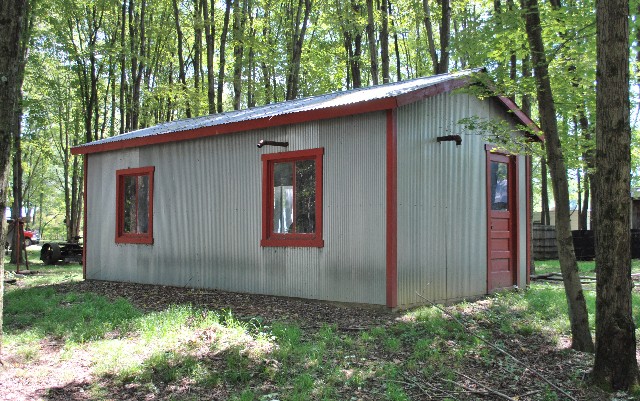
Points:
x=68, y=377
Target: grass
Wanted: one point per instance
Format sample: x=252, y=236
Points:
x=585, y=267
x=187, y=351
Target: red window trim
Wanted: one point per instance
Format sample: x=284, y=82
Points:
x=130, y=238
x=271, y=239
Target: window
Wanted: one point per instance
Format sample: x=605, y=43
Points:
x=134, y=206
x=292, y=198
x=499, y=186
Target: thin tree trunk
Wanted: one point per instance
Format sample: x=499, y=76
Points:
x=583, y=218
x=72, y=222
x=615, y=365
x=426, y=9
x=197, y=53
x=181, y=65
x=266, y=71
x=545, y=215
x=16, y=210
x=251, y=96
x=223, y=58
x=123, y=70
x=297, y=40
x=352, y=47
x=371, y=37
x=578, y=316
x=238, y=50
x=440, y=64
x=445, y=36
x=384, y=41
x=138, y=56
x=25, y=34
x=209, y=34
x=352, y=34
x=526, y=73
x=396, y=47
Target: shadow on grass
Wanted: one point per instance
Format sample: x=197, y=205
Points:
x=170, y=375
x=201, y=356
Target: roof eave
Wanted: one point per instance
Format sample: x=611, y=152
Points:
x=365, y=106
x=253, y=124
x=535, y=132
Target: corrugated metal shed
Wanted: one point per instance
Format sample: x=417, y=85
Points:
x=401, y=213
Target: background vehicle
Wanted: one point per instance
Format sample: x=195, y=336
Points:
x=30, y=237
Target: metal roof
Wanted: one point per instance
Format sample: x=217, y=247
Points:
x=330, y=101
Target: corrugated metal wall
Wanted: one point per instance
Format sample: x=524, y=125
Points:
x=442, y=221
x=207, y=215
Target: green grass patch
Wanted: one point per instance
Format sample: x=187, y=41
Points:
x=47, y=275
x=39, y=312
x=208, y=350
x=584, y=267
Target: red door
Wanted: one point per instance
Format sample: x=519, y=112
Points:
x=501, y=211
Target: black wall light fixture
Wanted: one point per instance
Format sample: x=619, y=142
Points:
x=456, y=138
x=272, y=143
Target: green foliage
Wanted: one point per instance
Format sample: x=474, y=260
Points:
x=75, y=42
x=502, y=134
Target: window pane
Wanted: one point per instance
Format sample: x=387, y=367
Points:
x=130, y=204
x=143, y=204
x=305, y=196
x=282, y=197
x=499, y=186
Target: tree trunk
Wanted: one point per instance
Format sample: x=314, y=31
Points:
x=197, y=53
x=16, y=210
x=615, y=365
x=138, y=56
x=371, y=37
x=352, y=42
x=238, y=50
x=526, y=73
x=545, y=216
x=396, y=47
x=440, y=64
x=73, y=228
x=25, y=34
x=426, y=9
x=384, y=41
x=578, y=316
x=297, y=40
x=11, y=22
x=584, y=207
x=251, y=95
x=209, y=34
x=445, y=35
x=181, y=65
x=223, y=58
x=353, y=47
x=123, y=70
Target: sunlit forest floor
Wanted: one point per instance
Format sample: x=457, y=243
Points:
x=69, y=339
